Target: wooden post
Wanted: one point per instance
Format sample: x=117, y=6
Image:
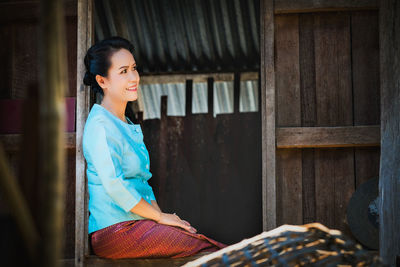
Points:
x=389, y=181
x=210, y=96
x=85, y=39
x=268, y=115
x=163, y=147
x=53, y=85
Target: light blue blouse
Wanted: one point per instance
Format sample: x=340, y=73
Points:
x=118, y=168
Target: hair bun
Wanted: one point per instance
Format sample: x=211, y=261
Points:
x=88, y=79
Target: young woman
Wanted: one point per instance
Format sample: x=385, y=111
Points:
x=125, y=220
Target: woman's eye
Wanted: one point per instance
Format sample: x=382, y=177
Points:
x=124, y=71
x=135, y=68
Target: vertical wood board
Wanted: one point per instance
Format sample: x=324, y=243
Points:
x=389, y=183
x=287, y=75
x=84, y=41
x=333, y=69
x=308, y=110
x=268, y=114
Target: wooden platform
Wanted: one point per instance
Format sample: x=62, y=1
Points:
x=99, y=262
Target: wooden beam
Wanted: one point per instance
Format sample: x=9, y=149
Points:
x=157, y=262
x=12, y=142
x=181, y=78
x=317, y=137
x=268, y=115
x=246, y=76
x=29, y=10
x=85, y=36
x=304, y=6
x=389, y=178
x=197, y=78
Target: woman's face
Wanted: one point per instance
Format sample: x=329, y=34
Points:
x=122, y=81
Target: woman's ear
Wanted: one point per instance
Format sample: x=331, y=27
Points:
x=101, y=81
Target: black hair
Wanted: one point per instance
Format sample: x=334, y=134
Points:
x=97, y=59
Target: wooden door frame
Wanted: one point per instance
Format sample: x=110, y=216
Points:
x=271, y=134
x=267, y=77
x=85, y=36
x=389, y=180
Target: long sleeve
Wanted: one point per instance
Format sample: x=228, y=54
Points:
x=103, y=151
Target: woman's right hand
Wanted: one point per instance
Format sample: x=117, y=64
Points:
x=174, y=220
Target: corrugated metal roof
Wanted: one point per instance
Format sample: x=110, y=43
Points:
x=185, y=35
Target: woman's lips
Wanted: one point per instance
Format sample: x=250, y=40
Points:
x=132, y=89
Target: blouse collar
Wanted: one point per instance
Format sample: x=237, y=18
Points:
x=129, y=124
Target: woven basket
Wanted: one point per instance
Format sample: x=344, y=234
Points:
x=310, y=244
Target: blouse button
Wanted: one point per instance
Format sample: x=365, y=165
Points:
x=137, y=130
x=147, y=166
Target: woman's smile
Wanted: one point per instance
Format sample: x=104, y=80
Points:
x=132, y=88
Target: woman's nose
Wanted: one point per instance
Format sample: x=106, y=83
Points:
x=134, y=76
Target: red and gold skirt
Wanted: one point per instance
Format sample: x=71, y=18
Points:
x=148, y=239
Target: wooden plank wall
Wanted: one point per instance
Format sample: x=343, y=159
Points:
x=19, y=80
x=326, y=76
x=208, y=169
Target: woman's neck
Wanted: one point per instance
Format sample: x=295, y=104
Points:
x=118, y=109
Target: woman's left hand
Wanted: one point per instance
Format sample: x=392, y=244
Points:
x=174, y=220
x=193, y=230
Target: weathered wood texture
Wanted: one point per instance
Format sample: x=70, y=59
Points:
x=98, y=262
x=327, y=95
x=303, y=6
x=268, y=114
x=207, y=169
x=84, y=41
x=308, y=111
x=288, y=113
x=366, y=88
x=389, y=184
x=309, y=137
x=19, y=54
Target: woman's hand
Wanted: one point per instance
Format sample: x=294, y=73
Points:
x=154, y=213
x=174, y=220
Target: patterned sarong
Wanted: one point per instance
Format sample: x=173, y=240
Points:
x=148, y=239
